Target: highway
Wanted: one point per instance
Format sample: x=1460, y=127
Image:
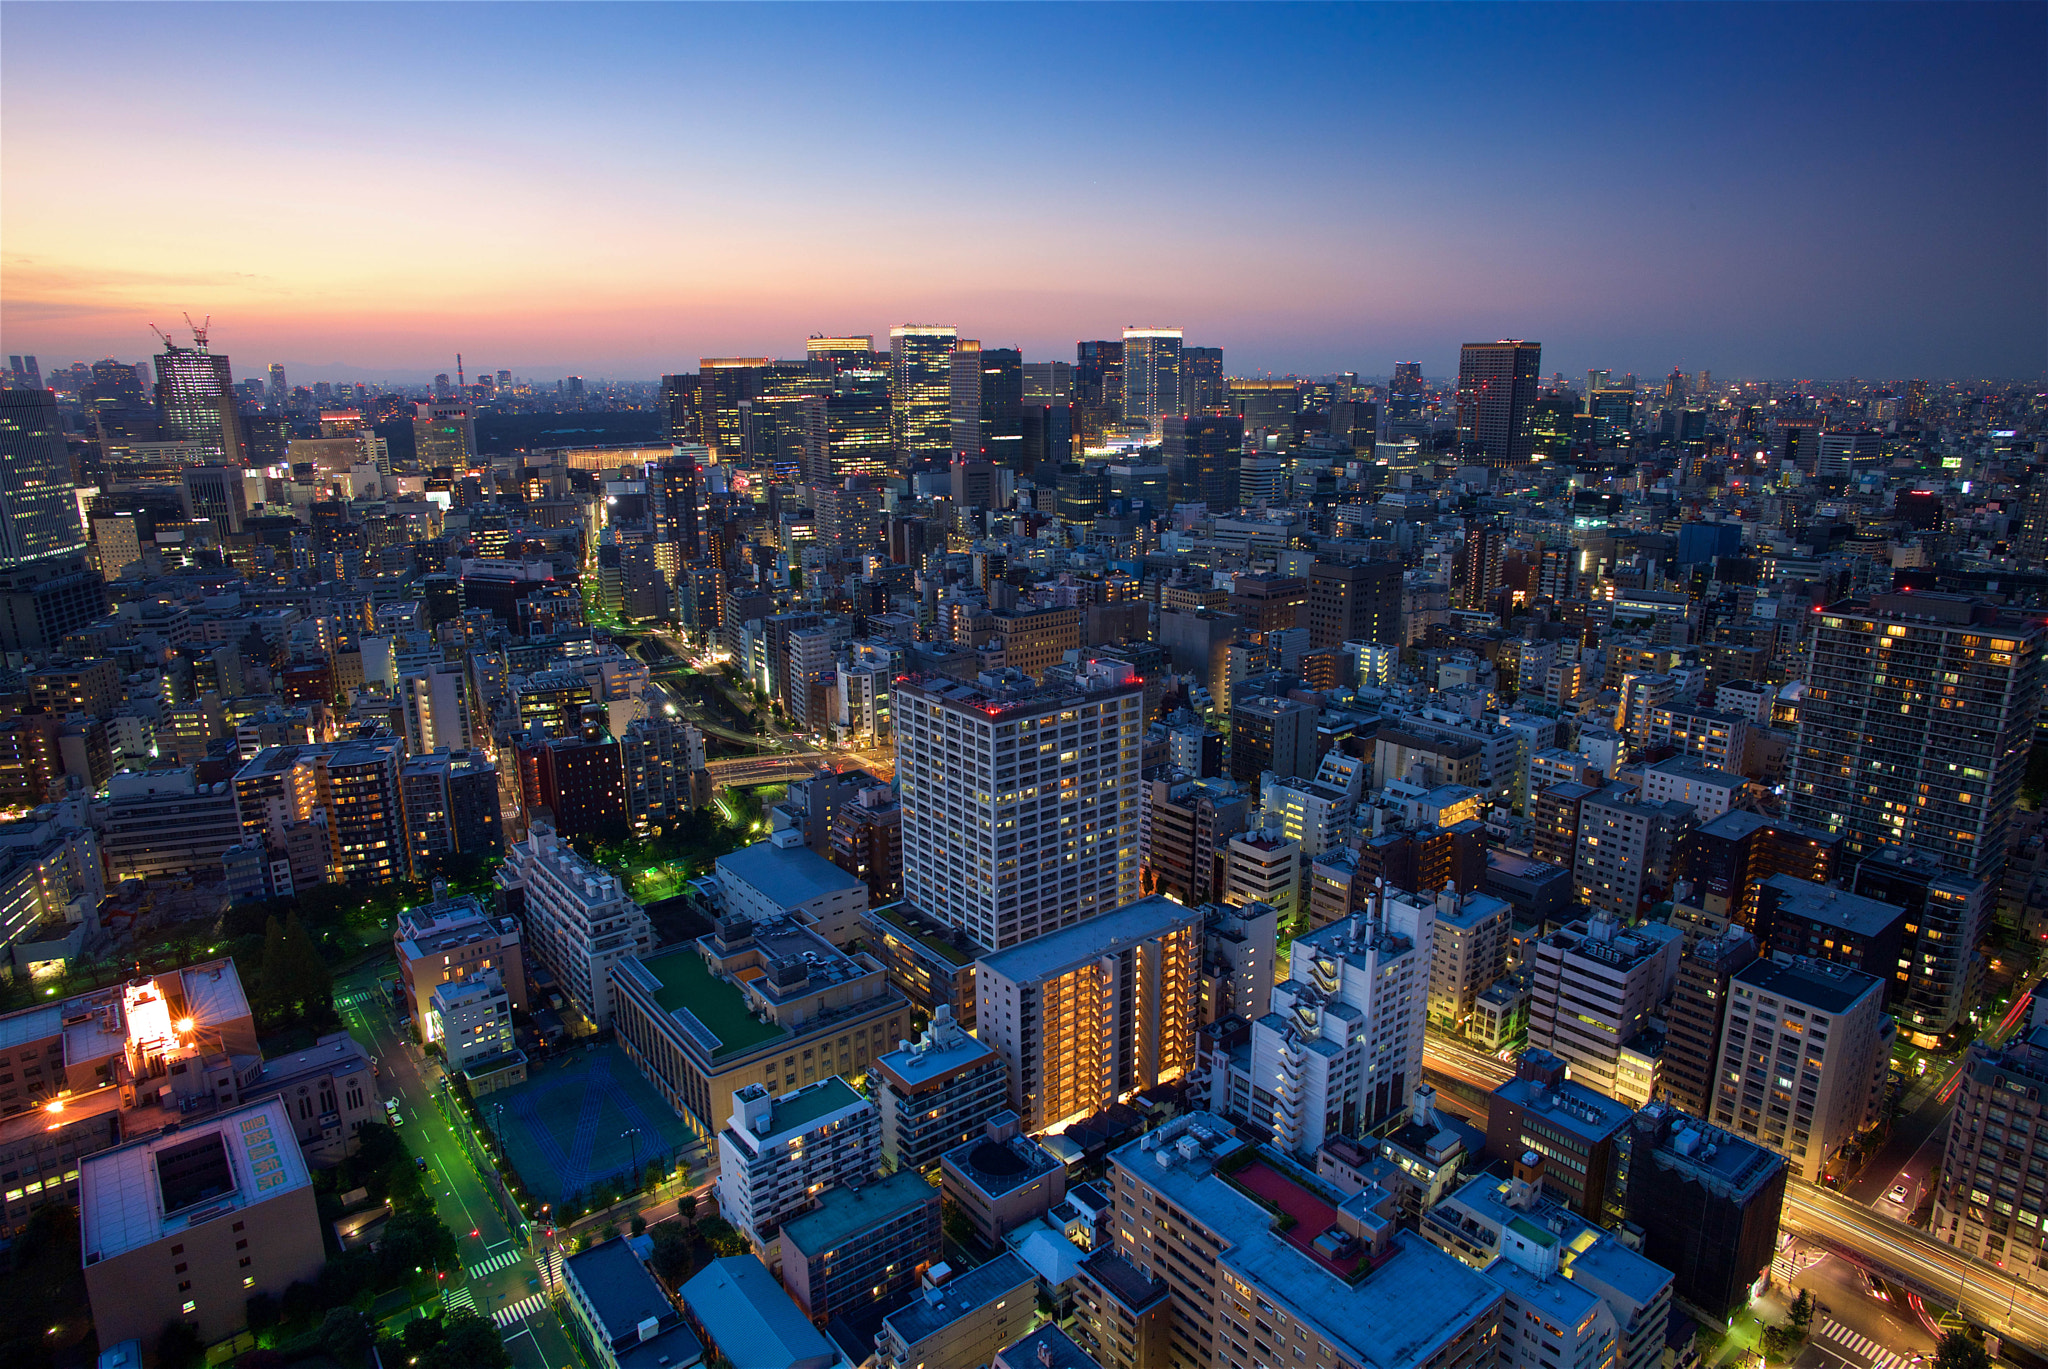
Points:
x=500, y=1279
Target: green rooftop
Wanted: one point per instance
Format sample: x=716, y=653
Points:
x=1528, y=1230
x=721, y=1007
x=796, y=1111
x=847, y=1212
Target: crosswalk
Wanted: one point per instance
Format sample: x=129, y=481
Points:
x=509, y=1317
x=457, y=1300
x=1871, y=1352
x=504, y=1259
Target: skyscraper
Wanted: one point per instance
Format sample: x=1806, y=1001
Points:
x=1098, y=388
x=195, y=392
x=1405, y=393
x=722, y=382
x=443, y=435
x=1915, y=726
x=964, y=400
x=1151, y=375
x=1002, y=405
x=921, y=390
x=38, y=513
x=1496, y=386
x=1202, y=385
x=1020, y=804
x=852, y=353
x=279, y=391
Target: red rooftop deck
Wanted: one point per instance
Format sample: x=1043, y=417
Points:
x=1312, y=1216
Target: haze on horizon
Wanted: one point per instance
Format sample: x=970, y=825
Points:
x=1762, y=190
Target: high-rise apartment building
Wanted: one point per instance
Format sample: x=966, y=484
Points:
x=1496, y=385
x=1595, y=987
x=1707, y=1203
x=437, y=709
x=1692, y=1043
x=1915, y=726
x=920, y=390
x=1805, y=1049
x=1020, y=804
x=1188, y=824
x=935, y=1093
x=778, y=1153
x=350, y=786
x=450, y=800
x=1406, y=393
x=38, y=508
x=1988, y=1201
x=1946, y=915
x=1086, y=1014
x=1152, y=380
x=1268, y=734
x=1626, y=850
x=576, y=915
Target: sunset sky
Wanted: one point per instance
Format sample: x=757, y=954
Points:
x=364, y=190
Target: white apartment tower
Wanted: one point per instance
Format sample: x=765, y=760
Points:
x=577, y=917
x=777, y=1154
x=1020, y=804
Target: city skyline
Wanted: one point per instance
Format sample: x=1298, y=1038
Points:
x=1763, y=208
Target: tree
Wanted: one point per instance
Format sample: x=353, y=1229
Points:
x=422, y=1335
x=270, y=970
x=179, y=1346
x=686, y=1207
x=262, y=1311
x=467, y=1342
x=639, y=1224
x=345, y=1334
x=672, y=1259
x=1802, y=1309
x=1958, y=1351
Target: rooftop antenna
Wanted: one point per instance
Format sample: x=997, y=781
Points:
x=460, y=382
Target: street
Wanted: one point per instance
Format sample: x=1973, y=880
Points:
x=1854, y=1326
x=500, y=1279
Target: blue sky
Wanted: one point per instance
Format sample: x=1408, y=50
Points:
x=1781, y=190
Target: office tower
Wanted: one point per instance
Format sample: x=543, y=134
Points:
x=1279, y=1285
x=1356, y=601
x=1084, y=1015
x=1204, y=456
x=1020, y=804
x=861, y=1246
x=1692, y=1044
x=451, y=941
x=1405, y=393
x=1988, y=1201
x=188, y=1223
x=1707, y=1203
x=1595, y=988
x=683, y=397
x=855, y=429
x=1188, y=824
x=1356, y=424
x=1270, y=411
x=215, y=493
x=578, y=919
x=1945, y=917
x=1269, y=602
x=935, y=1093
x=1271, y=734
x=1480, y=561
x=1048, y=382
x=444, y=435
x=920, y=391
x=1626, y=850
x=1098, y=389
x=1578, y=1136
x=855, y=352
x=1848, y=453
x=1202, y=385
x=776, y=1154
x=1002, y=406
x=28, y=375
x=723, y=384
x=450, y=800
x=278, y=391
x=195, y=393
x=964, y=399
x=1915, y=726
x=1496, y=386
x=38, y=509
x=1805, y=1049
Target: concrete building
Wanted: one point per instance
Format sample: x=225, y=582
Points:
x=1579, y=1138
x=1020, y=804
x=1469, y=953
x=1186, y=827
x=453, y=939
x=1797, y=920
x=1594, y=988
x=935, y=1094
x=1087, y=1014
x=964, y=1321
x=1271, y=734
x=1705, y=790
x=1692, y=1050
x=862, y=1244
x=620, y=1315
x=777, y=1154
x=1264, y=866
x=781, y=877
x=165, y=823
x=867, y=842
x=1002, y=1178
x=1946, y=917
x=1626, y=847
x=472, y=1018
x=1989, y=1200
x=577, y=917
x=1805, y=1049
x=767, y=1003
x=1240, y=953
x=188, y=1225
x=1707, y=1203
x=451, y=808
x=1283, y=1259
x=352, y=785
x=929, y=962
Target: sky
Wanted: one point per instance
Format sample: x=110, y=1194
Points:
x=362, y=190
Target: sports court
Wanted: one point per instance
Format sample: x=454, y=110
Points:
x=572, y=1124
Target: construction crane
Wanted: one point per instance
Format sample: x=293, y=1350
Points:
x=199, y=330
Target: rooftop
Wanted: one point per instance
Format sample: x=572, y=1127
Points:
x=145, y=1190
x=1098, y=936
x=943, y=1050
x=1046, y=1348
x=1572, y=1107
x=1817, y=984
x=787, y=876
x=1832, y=907
x=711, y=1010
x=1721, y=1160
x=1687, y=768
x=619, y=1287
x=799, y=1110
x=999, y=1167
x=938, y=1308
x=751, y=1321
x=847, y=1210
